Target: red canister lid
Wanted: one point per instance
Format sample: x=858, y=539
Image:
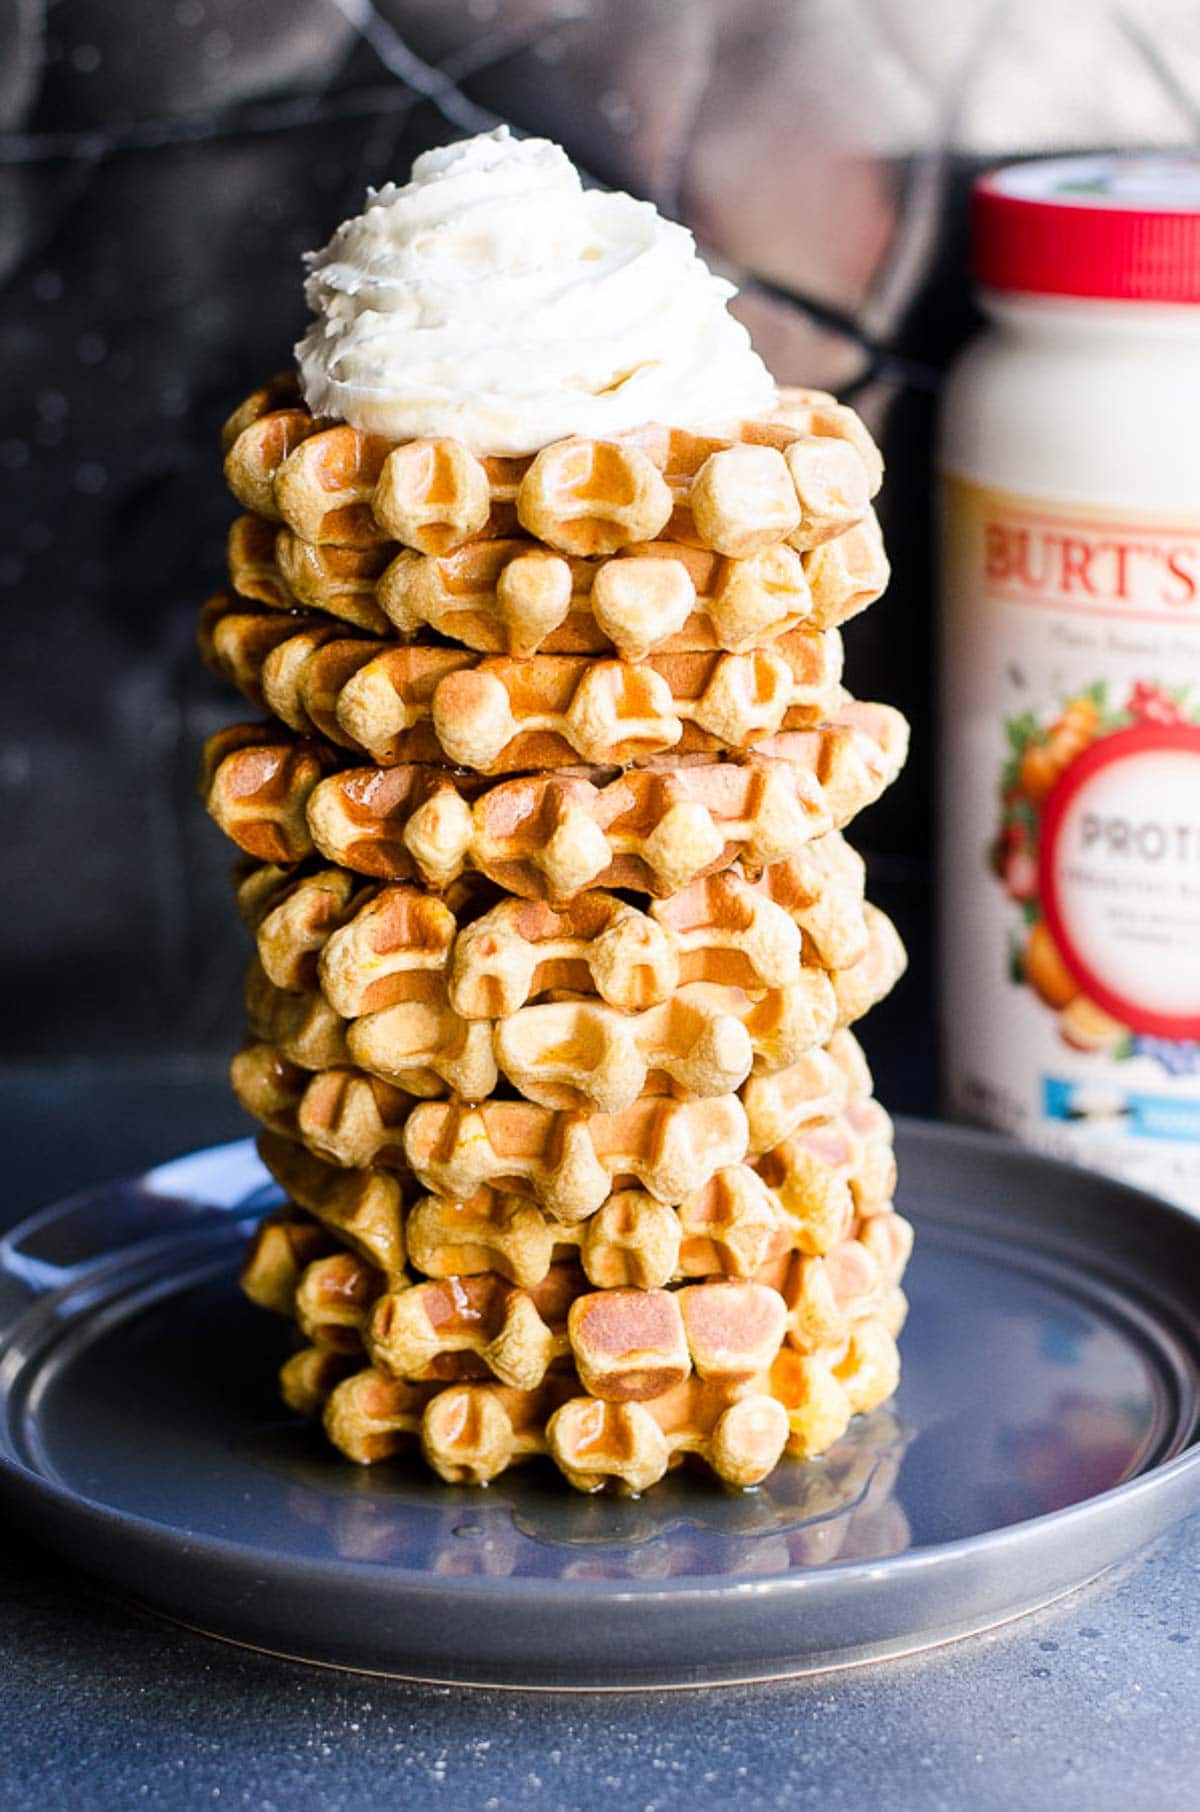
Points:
x=1116, y=227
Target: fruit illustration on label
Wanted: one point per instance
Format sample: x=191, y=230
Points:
x=1098, y=848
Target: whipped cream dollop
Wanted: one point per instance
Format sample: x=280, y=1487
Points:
x=495, y=299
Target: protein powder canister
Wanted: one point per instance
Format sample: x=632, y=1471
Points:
x=1070, y=807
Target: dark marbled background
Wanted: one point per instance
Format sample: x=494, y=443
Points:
x=162, y=165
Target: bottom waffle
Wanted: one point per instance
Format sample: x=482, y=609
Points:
x=617, y=1385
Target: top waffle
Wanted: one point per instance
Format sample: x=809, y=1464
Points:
x=514, y=596
x=801, y=477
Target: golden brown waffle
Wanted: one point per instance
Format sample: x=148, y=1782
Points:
x=631, y=1345
x=280, y=1249
x=627, y=1345
x=566, y=1053
x=703, y=1040
x=501, y=715
x=572, y=1051
x=516, y=597
x=270, y=566
x=516, y=1335
x=360, y=943
x=820, y=1086
x=471, y=1433
x=815, y=1113
x=654, y=829
x=829, y=1176
x=726, y=928
x=334, y=1299
x=419, y=1044
x=236, y=643
x=256, y=783
x=361, y=1209
x=303, y=1027
x=731, y=1227
x=822, y=1392
x=826, y=1294
x=369, y=1417
x=308, y=1378
x=571, y=1162
x=803, y=476
x=628, y=1447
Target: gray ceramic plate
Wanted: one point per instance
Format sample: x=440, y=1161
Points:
x=1047, y=1427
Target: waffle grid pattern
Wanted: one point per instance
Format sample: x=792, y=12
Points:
x=557, y=942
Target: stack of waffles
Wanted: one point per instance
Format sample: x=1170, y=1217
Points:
x=558, y=941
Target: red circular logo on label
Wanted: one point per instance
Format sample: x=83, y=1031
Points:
x=1119, y=876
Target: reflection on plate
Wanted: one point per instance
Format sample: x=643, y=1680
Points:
x=839, y=1507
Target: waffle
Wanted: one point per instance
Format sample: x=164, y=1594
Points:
x=500, y=715
x=348, y=1120
x=825, y=1295
x=361, y=1209
x=822, y=1392
x=279, y=1250
x=570, y=1162
x=334, y=1298
x=703, y=1040
x=802, y=476
x=303, y=1027
x=256, y=783
x=632, y=1239
x=821, y=1085
x=271, y=566
x=731, y=1227
x=653, y=829
x=516, y=1335
x=830, y=1176
x=360, y=942
x=370, y=1416
x=516, y=597
x=626, y=1345
x=419, y=1044
x=341, y=1116
x=470, y=1433
x=310, y=1376
x=566, y=1053
x=724, y=928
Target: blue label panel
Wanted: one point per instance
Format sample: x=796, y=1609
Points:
x=1141, y=1116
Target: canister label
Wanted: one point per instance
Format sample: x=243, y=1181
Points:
x=1070, y=852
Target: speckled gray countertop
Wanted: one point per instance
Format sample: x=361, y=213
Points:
x=1091, y=1704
